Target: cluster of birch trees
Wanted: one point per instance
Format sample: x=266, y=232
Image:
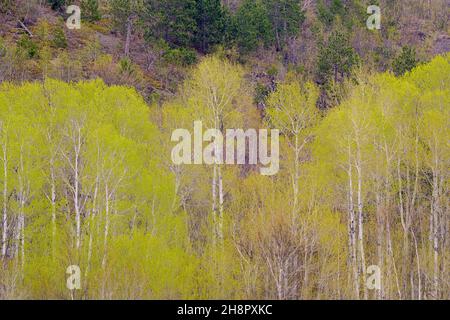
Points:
x=87, y=180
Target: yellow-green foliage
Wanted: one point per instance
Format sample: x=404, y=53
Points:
x=119, y=154
x=365, y=183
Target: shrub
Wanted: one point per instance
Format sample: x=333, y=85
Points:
x=90, y=10
x=180, y=56
x=59, y=39
x=57, y=4
x=405, y=61
x=27, y=45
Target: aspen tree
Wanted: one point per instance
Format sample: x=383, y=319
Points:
x=215, y=85
x=292, y=110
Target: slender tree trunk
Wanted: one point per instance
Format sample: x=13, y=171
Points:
x=362, y=257
x=221, y=199
x=5, y=200
x=380, y=232
x=361, y=226
x=404, y=227
x=278, y=41
x=77, y=206
x=217, y=192
x=22, y=242
x=419, y=289
x=53, y=204
x=296, y=177
x=128, y=35
x=352, y=228
x=435, y=233
x=106, y=229
x=391, y=255
x=414, y=210
x=22, y=200
x=214, y=204
x=76, y=189
x=387, y=206
x=92, y=219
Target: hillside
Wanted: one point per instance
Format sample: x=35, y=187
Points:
x=235, y=149
x=271, y=45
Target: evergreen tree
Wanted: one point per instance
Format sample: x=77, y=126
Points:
x=57, y=4
x=252, y=26
x=90, y=10
x=124, y=14
x=286, y=17
x=171, y=20
x=336, y=58
x=59, y=38
x=405, y=62
x=211, y=22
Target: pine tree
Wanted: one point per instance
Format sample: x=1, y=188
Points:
x=125, y=13
x=286, y=17
x=90, y=10
x=252, y=26
x=211, y=19
x=57, y=4
x=171, y=20
x=336, y=58
x=405, y=61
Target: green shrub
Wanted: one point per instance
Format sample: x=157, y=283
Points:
x=59, y=39
x=57, y=4
x=90, y=10
x=180, y=56
x=2, y=47
x=405, y=61
x=26, y=44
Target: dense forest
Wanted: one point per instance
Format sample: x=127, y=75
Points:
x=87, y=179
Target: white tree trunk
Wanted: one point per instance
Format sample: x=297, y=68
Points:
x=106, y=229
x=53, y=204
x=352, y=228
x=435, y=234
x=214, y=203
x=77, y=182
x=361, y=219
x=221, y=199
x=5, y=200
